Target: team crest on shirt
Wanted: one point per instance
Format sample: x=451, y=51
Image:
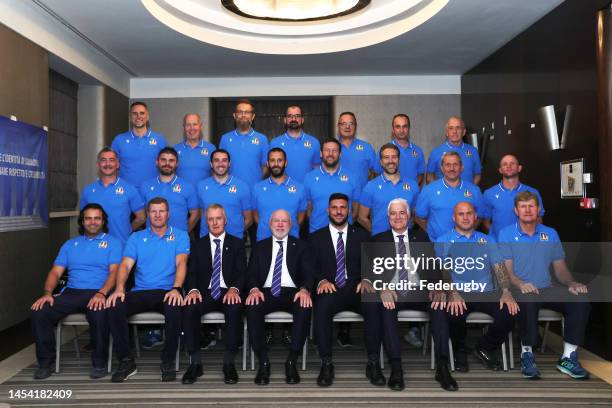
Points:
x=204, y=152
x=170, y=238
x=176, y=188
x=119, y=190
x=406, y=187
x=415, y=153
x=233, y=189
x=467, y=194
x=481, y=240
x=359, y=147
x=255, y=141
x=307, y=144
x=344, y=178
x=103, y=244
x=543, y=236
x=292, y=189
x=153, y=142
x=497, y=196
x=468, y=153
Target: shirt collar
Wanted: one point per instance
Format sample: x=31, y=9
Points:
x=114, y=184
x=459, y=235
x=98, y=237
x=169, y=231
x=522, y=233
x=188, y=146
x=227, y=181
x=449, y=187
x=284, y=240
x=399, y=146
x=245, y=134
x=171, y=182
x=325, y=173
x=334, y=230
x=452, y=146
x=404, y=234
x=502, y=188
x=283, y=183
x=301, y=137
x=212, y=238
x=146, y=135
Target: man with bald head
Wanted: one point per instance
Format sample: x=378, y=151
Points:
x=194, y=152
x=279, y=278
x=455, y=131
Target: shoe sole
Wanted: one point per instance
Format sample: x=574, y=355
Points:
x=487, y=366
x=344, y=345
x=531, y=377
x=574, y=376
x=127, y=376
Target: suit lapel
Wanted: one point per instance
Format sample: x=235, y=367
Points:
x=292, y=255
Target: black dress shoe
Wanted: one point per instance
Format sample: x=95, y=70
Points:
x=374, y=374
x=489, y=360
x=263, y=374
x=396, y=380
x=326, y=375
x=291, y=372
x=42, y=372
x=230, y=375
x=443, y=376
x=344, y=339
x=193, y=372
x=461, y=361
x=168, y=373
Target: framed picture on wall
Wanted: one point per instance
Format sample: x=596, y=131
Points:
x=571, y=179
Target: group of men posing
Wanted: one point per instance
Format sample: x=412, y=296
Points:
x=333, y=186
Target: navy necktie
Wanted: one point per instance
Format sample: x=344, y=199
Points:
x=215, y=281
x=340, y=262
x=278, y=269
x=403, y=273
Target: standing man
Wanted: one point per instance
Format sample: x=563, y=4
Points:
x=230, y=192
x=455, y=130
x=412, y=159
x=92, y=260
x=194, y=151
x=279, y=191
x=499, y=199
x=180, y=194
x=358, y=156
x=279, y=278
x=377, y=194
x=137, y=148
x=159, y=254
x=529, y=248
x=119, y=198
x=329, y=178
x=435, y=205
x=215, y=277
x=302, y=149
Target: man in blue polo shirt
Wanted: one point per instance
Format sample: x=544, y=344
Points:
x=180, y=194
x=92, y=260
x=118, y=197
x=499, y=199
x=358, y=156
x=229, y=191
x=137, y=148
x=475, y=256
x=412, y=159
x=329, y=178
x=194, y=152
x=302, y=149
x=279, y=191
x=377, y=194
x=434, y=208
x=529, y=248
x=159, y=253
x=455, y=130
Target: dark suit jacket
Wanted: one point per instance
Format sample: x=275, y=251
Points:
x=298, y=263
x=325, y=256
x=233, y=264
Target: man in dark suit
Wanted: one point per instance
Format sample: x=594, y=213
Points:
x=215, y=277
x=337, y=252
x=279, y=278
x=407, y=243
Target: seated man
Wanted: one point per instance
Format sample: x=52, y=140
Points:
x=529, y=248
x=411, y=243
x=279, y=277
x=474, y=254
x=92, y=260
x=160, y=255
x=215, y=276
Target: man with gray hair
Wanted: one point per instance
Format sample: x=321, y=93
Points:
x=194, y=152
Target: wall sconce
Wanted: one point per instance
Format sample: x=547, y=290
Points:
x=549, y=123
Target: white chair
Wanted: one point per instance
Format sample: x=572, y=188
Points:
x=153, y=318
x=547, y=315
x=422, y=317
x=219, y=318
x=347, y=316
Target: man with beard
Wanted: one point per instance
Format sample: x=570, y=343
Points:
x=229, y=191
x=179, y=193
x=137, y=148
x=279, y=191
x=194, y=151
x=499, y=199
x=118, y=197
x=377, y=194
x=358, y=156
x=302, y=149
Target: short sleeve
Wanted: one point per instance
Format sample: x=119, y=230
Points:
x=135, y=199
x=316, y=157
x=422, y=205
x=114, y=257
x=303, y=203
x=415, y=193
x=182, y=245
x=245, y=198
x=537, y=193
x=83, y=199
x=116, y=146
x=557, y=249
x=161, y=142
x=131, y=247
x=366, y=198
x=421, y=161
x=356, y=192
x=192, y=198
x=487, y=206
x=373, y=160
x=223, y=143
x=62, y=256
x=263, y=151
x=432, y=163
x=476, y=159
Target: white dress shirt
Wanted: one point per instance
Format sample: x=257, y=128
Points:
x=286, y=280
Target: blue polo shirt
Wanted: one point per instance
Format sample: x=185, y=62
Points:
x=181, y=196
x=235, y=197
x=469, y=158
x=319, y=185
x=119, y=199
x=499, y=206
x=137, y=155
x=268, y=197
x=155, y=257
x=377, y=194
x=358, y=159
x=88, y=259
x=412, y=161
x=437, y=201
x=303, y=153
x=472, y=257
x=249, y=152
x=194, y=162
x=531, y=255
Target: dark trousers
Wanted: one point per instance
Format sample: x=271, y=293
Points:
x=139, y=302
x=192, y=315
x=256, y=320
x=326, y=305
x=575, y=309
x=68, y=302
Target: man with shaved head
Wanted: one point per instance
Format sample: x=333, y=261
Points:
x=194, y=152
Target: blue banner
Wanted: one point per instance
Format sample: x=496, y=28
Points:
x=23, y=176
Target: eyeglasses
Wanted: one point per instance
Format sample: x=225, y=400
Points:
x=244, y=113
x=294, y=116
x=346, y=124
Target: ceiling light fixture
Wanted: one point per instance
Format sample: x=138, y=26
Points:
x=294, y=10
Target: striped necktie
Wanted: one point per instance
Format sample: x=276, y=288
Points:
x=215, y=281
x=340, y=262
x=278, y=269
x=403, y=273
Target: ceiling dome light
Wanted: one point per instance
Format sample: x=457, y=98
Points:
x=294, y=10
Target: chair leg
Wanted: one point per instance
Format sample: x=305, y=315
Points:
x=425, y=337
x=546, y=327
x=451, y=355
x=511, y=349
x=178, y=354
x=252, y=360
x=504, y=356
x=304, y=354
x=110, y=354
x=75, y=340
x=136, y=342
x=433, y=354
x=245, y=345
x=58, y=343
